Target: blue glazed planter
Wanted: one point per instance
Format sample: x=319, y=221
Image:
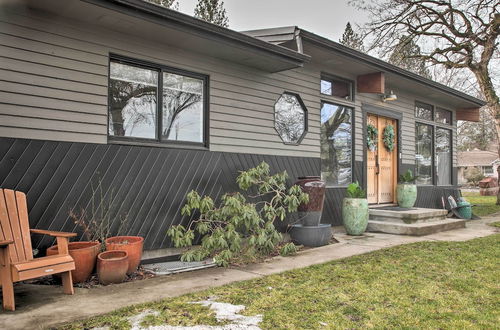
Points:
x=406, y=195
x=355, y=215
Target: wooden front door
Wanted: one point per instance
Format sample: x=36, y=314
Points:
x=382, y=164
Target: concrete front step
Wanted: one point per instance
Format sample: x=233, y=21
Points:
x=407, y=216
x=415, y=229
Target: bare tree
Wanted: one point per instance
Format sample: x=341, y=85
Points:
x=456, y=34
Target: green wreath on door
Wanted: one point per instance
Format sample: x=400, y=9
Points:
x=388, y=137
x=371, y=137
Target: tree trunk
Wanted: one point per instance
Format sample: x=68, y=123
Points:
x=486, y=85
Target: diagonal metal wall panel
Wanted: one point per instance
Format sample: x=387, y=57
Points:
x=146, y=185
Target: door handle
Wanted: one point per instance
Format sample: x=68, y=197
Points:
x=377, y=165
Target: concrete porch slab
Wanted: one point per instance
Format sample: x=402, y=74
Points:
x=415, y=229
x=407, y=215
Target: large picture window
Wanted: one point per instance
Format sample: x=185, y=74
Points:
x=336, y=144
x=423, y=154
x=137, y=112
x=443, y=156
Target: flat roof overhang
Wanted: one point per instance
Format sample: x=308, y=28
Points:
x=158, y=24
x=326, y=51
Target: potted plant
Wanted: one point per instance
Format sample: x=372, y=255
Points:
x=112, y=266
x=355, y=210
x=95, y=226
x=406, y=190
x=132, y=244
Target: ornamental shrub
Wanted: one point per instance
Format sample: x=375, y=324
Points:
x=241, y=227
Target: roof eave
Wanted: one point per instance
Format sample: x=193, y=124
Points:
x=144, y=9
x=382, y=65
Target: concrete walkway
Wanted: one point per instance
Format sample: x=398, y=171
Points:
x=40, y=306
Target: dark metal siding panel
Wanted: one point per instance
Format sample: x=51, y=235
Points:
x=145, y=184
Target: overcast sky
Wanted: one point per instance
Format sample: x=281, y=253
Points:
x=324, y=17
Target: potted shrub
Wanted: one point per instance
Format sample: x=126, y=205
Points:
x=132, y=244
x=406, y=190
x=112, y=266
x=95, y=226
x=355, y=210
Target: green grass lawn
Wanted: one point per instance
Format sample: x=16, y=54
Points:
x=427, y=285
x=485, y=204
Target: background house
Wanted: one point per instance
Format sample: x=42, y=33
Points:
x=486, y=161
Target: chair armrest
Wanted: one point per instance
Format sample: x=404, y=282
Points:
x=4, y=243
x=52, y=233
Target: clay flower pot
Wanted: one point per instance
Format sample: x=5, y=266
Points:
x=355, y=215
x=132, y=244
x=112, y=266
x=84, y=254
x=310, y=212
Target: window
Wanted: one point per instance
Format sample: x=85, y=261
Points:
x=423, y=154
x=443, y=116
x=443, y=156
x=424, y=111
x=336, y=144
x=133, y=101
x=337, y=87
x=290, y=118
x=488, y=170
x=136, y=111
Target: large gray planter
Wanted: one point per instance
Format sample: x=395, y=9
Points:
x=311, y=235
x=355, y=215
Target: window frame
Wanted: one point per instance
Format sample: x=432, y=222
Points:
x=330, y=77
x=306, y=118
x=322, y=102
x=423, y=119
x=437, y=109
x=158, y=141
x=435, y=125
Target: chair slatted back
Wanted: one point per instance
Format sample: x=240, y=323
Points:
x=14, y=224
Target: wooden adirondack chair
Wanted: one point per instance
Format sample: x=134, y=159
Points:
x=16, y=255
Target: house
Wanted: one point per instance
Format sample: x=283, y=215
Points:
x=486, y=161
x=82, y=125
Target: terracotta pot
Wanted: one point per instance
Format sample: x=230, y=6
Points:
x=84, y=254
x=132, y=244
x=112, y=266
x=310, y=212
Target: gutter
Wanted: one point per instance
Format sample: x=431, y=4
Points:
x=145, y=10
x=382, y=65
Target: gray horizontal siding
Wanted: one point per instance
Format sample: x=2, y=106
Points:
x=54, y=79
x=52, y=65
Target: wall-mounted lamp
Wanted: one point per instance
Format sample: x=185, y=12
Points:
x=389, y=97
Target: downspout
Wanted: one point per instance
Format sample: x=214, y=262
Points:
x=298, y=40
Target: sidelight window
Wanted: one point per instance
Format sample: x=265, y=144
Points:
x=336, y=144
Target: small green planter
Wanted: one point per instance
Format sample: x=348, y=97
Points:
x=406, y=195
x=355, y=215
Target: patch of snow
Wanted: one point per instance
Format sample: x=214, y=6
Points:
x=223, y=312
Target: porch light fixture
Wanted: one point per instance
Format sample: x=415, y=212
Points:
x=389, y=97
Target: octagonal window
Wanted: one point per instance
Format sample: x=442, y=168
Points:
x=290, y=118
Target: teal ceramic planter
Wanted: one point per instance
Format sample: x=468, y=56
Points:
x=406, y=195
x=355, y=215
